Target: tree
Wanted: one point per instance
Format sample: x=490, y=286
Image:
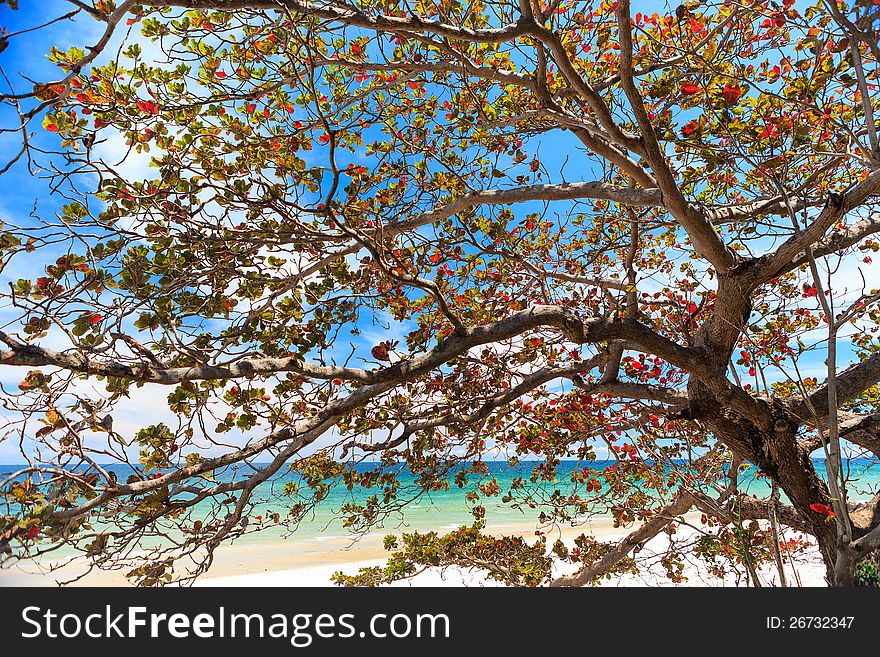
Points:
x=584, y=226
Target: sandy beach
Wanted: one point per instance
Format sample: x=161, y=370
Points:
x=298, y=562
x=262, y=561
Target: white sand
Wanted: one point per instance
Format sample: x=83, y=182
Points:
x=295, y=563
x=808, y=566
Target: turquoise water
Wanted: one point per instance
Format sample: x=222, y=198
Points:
x=448, y=509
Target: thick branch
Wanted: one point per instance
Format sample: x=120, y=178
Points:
x=792, y=250
x=348, y=15
x=850, y=384
x=837, y=242
x=679, y=506
x=579, y=331
x=861, y=430
x=703, y=235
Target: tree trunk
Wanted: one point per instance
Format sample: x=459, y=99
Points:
x=778, y=456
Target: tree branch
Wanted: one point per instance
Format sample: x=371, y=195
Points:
x=703, y=236
x=579, y=331
x=773, y=264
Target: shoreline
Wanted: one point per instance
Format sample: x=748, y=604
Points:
x=293, y=563
x=311, y=557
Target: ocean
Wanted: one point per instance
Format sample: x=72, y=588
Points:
x=445, y=510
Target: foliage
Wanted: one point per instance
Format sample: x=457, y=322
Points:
x=868, y=571
x=372, y=248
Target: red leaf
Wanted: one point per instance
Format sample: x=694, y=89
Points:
x=148, y=107
x=731, y=94
x=689, y=89
x=769, y=131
